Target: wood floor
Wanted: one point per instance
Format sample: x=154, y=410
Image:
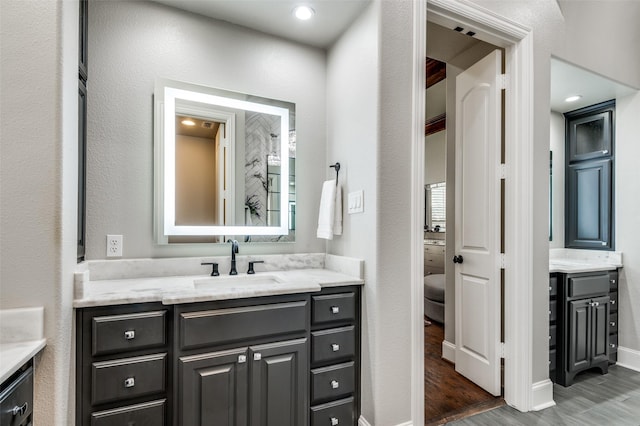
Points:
x=448, y=395
x=594, y=400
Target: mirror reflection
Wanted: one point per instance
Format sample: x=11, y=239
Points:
x=435, y=206
x=225, y=165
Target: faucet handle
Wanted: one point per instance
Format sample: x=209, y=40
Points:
x=214, y=271
x=253, y=262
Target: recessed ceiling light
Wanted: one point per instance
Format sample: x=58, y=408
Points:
x=303, y=13
x=573, y=98
x=188, y=122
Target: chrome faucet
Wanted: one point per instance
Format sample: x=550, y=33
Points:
x=234, y=250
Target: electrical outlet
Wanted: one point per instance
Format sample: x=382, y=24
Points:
x=114, y=245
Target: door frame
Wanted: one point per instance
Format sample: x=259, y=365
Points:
x=517, y=40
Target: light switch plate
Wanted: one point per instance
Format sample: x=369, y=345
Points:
x=356, y=202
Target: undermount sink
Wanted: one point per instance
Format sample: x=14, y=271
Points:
x=239, y=280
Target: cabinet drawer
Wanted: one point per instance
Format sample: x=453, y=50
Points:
x=553, y=310
x=333, y=413
x=19, y=396
x=118, y=333
x=613, y=343
x=127, y=378
x=552, y=336
x=613, y=301
x=434, y=249
x=590, y=285
x=149, y=413
x=218, y=326
x=553, y=286
x=333, y=307
x=613, y=323
x=429, y=270
x=333, y=344
x=332, y=382
x=552, y=360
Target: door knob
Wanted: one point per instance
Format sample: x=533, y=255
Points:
x=457, y=259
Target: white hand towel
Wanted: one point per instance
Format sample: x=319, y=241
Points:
x=326, y=215
x=337, y=218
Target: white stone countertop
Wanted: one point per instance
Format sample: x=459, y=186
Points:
x=199, y=288
x=571, y=261
x=21, y=338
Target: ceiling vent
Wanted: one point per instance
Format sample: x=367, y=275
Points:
x=207, y=124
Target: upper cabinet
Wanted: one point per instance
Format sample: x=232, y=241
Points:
x=590, y=132
x=589, y=177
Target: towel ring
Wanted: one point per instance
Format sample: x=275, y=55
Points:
x=337, y=167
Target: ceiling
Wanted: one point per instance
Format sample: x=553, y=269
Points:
x=568, y=79
x=331, y=19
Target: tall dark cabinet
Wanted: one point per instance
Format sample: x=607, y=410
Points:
x=589, y=177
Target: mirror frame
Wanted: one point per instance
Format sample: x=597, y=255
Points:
x=167, y=94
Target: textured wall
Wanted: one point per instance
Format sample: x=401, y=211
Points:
x=133, y=43
x=38, y=171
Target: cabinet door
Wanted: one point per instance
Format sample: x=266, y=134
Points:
x=579, y=341
x=589, y=203
x=600, y=329
x=279, y=384
x=213, y=389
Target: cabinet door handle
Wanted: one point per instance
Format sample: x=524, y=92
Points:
x=335, y=347
x=335, y=310
x=242, y=359
x=129, y=382
x=334, y=421
x=613, y=323
x=613, y=302
x=549, y=288
x=605, y=151
x=613, y=345
x=613, y=281
x=257, y=356
x=20, y=410
x=129, y=334
x=335, y=384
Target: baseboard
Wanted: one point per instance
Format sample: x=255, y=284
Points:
x=542, y=395
x=363, y=422
x=629, y=358
x=449, y=351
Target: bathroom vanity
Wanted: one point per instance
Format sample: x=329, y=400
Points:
x=583, y=316
x=221, y=353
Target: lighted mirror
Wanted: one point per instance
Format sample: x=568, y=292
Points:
x=224, y=165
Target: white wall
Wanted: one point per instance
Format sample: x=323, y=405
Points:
x=352, y=139
x=435, y=153
x=627, y=211
x=38, y=181
x=133, y=43
x=556, y=144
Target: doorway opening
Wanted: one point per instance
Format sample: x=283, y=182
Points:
x=449, y=395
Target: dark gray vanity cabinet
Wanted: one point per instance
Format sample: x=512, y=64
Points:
x=243, y=362
x=16, y=397
x=553, y=325
x=589, y=177
x=335, y=357
x=582, y=324
x=123, y=365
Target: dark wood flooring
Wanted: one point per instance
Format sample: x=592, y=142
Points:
x=448, y=395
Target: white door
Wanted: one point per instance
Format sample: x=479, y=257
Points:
x=477, y=224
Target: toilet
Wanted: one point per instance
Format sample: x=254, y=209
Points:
x=434, y=297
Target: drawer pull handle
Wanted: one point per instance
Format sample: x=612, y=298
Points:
x=335, y=384
x=550, y=288
x=129, y=382
x=257, y=356
x=594, y=304
x=613, y=345
x=19, y=411
x=130, y=334
x=334, y=421
x=612, y=323
x=335, y=347
x=242, y=359
x=613, y=281
x=335, y=309
x=549, y=337
x=613, y=302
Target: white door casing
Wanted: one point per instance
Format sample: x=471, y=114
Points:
x=477, y=224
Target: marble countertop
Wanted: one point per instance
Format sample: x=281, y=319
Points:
x=21, y=338
x=199, y=288
x=575, y=261
x=432, y=242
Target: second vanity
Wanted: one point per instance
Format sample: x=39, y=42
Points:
x=274, y=348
